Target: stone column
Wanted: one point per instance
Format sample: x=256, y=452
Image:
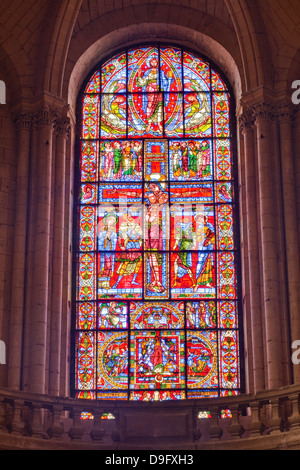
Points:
x=270, y=247
x=40, y=281
x=23, y=122
x=285, y=115
x=253, y=256
x=62, y=127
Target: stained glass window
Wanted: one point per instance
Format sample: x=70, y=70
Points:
x=156, y=298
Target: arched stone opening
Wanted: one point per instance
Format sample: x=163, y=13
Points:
x=184, y=36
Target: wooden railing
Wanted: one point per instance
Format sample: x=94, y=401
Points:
x=267, y=420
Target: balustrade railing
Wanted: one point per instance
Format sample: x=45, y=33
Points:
x=268, y=419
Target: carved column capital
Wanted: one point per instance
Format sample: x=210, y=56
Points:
x=246, y=121
x=263, y=110
x=45, y=116
x=23, y=120
x=285, y=113
x=62, y=126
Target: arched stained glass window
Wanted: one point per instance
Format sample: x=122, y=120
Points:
x=156, y=262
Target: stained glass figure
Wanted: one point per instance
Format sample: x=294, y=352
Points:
x=197, y=116
x=121, y=160
x=112, y=367
x=157, y=359
x=112, y=315
x=113, y=116
x=201, y=315
x=187, y=193
x=190, y=160
x=121, y=194
x=156, y=315
x=158, y=395
x=171, y=69
x=113, y=75
x=202, y=360
x=196, y=73
x=143, y=69
x=156, y=303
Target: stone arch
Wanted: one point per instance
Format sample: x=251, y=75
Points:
x=60, y=25
x=76, y=29
x=184, y=36
x=95, y=36
x=253, y=42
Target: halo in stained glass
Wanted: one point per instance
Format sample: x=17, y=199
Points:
x=157, y=360
x=197, y=115
x=113, y=116
x=157, y=283
x=113, y=75
x=202, y=370
x=196, y=73
x=143, y=70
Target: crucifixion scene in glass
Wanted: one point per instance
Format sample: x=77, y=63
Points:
x=156, y=306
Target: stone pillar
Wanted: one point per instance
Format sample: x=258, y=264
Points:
x=270, y=246
x=23, y=122
x=40, y=272
x=253, y=256
x=285, y=115
x=62, y=127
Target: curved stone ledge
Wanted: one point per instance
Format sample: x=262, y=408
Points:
x=269, y=420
